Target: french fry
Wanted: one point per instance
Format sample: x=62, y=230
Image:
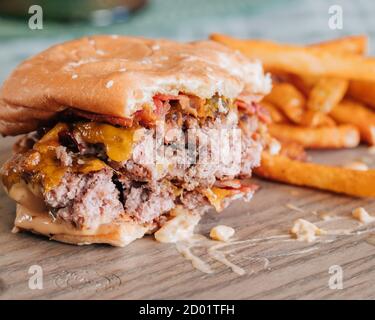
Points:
x=352, y=44
x=316, y=119
x=363, y=91
x=303, y=84
x=288, y=99
x=343, y=136
x=326, y=93
x=276, y=115
x=359, y=90
x=312, y=61
x=336, y=179
x=354, y=113
x=293, y=150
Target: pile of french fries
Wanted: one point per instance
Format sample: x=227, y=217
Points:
x=323, y=97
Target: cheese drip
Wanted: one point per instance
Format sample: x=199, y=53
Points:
x=216, y=196
x=44, y=166
x=118, y=142
x=49, y=169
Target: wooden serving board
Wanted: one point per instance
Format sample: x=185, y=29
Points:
x=276, y=267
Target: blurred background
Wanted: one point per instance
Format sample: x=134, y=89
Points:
x=295, y=21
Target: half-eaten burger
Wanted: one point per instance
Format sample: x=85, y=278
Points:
x=123, y=136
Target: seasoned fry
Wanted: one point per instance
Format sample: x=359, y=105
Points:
x=360, y=90
x=352, y=44
x=303, y=84
x=316, y=119
x=276, y=115
x=293, y=150
x=363, y=91
x=326, y=93
x=344, y=136
x=311, y=84
x=288, y=99
x=336, y=179
x=313, y=61
x=354, y=113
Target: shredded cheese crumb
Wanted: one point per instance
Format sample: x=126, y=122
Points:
x=179, y=228
x=16, y=230
x=362, y=215
x=357, y=165
x=109, y=84
x=74, y=76
x=304, y=230
x=326, y=216
x=122, y=69
x=221, y=233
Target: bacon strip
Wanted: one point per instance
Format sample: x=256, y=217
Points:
x=114, y=120
x=162, y=106
x=263, y=114
x=236, y=185
x=232, y=184
x=248, y=108
x=248, y=188
x=254, y=109
x=166, y=97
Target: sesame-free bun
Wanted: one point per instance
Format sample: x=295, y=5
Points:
x=32, y=215
x=116, y=234
x=116, y=76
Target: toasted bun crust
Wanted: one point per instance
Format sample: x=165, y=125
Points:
x=118, y=235
x=113, y=75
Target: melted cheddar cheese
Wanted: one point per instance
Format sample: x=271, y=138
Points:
x=44, y=166
x=118, y=142
x=49, y=169
x=216, y=196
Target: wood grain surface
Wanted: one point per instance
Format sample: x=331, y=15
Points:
x=275, y=267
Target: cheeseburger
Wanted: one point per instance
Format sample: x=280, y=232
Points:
x=123, y=136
